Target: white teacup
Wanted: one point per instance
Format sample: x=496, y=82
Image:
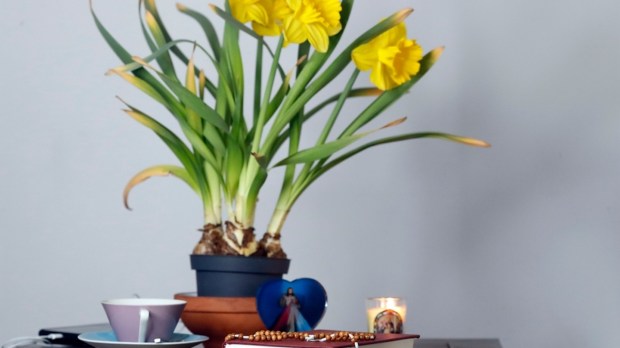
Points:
x=143, y=319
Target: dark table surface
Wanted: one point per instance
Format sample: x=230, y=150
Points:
x=457, y=343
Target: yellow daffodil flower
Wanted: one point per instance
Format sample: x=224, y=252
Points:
x=312, y=20
x=265, y=15
x=392, y=58
x=249, y=10
x=298, y=20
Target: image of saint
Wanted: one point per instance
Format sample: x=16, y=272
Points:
x=291, y=319
x=388, y=321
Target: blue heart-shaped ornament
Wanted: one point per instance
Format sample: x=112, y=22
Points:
x=291, y=306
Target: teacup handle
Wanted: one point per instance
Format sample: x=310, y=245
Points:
x=144, y=322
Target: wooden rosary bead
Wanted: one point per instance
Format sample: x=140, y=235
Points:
x=272, y=335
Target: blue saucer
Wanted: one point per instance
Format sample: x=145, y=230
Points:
x=107, y=339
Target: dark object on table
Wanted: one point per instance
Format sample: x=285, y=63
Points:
x=70, y=333
x=457, y=343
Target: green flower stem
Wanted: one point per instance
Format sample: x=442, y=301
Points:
x=258, y=78
x=211, y=214
x=338, y=107
x=283, y=204
x=245, y=201
x=215, y=194
x=389, y=97
x=332, y=119
x=301, y=179
x=295, y=127
x=308, y=70
x=260, y=124
x=279, y=216
x=294, y=104
x=287, y=194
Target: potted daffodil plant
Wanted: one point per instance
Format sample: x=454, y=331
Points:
x=235, y=127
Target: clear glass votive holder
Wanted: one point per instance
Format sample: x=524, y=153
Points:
x=386, y=314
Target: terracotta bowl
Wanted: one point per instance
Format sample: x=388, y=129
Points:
x=216, y=317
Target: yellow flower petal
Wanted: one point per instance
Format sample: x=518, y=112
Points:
x=380, y=77
x=265, y=15
x=392, y=58
x=313, y=21
x=258, y=14
x=408, y=59
x=293, y=31
x=272, y=29
x=242, y=9
x=394, y=35
x=281, y=10
x=365, y=57
x=317, y=35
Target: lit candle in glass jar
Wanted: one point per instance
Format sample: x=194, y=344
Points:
x=386, y=314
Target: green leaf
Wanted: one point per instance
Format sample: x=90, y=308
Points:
x=150, y=7
x=276, y=101
x=168, y=100
x=159, y=170
x=232, y=20
x=300, y=94
x=293, y=148
x=261, y=160
x=174, y=143
x=410, y=136
x=356, y=92
x=190, y=83
x=145, y=31
x=235, y=159
x=126, y=58
x=177, y=145
x=258, y=80
x=133, y=65
x=337, y=108
x=138, y=67
x=262, y=117
x=233, y=58
x=206, y=26
x=163, y=32
x=314, y=63
x=344, y=58
x=242, y=27
x=344, y=95
x=164, y=60
x=193, y=102
x=215, y=138
x=389, y=97
x=359, y=92
x=142, y=85
x=329, y=148
x=252, y=198
x=110, y=40
x=156, y=127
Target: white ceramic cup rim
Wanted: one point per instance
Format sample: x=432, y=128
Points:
x=143, y=302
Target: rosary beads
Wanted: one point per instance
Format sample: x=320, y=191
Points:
x=338, y=336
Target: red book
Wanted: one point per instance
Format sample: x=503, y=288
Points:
x=379, y=341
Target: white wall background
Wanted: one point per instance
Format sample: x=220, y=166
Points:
x=519, y=241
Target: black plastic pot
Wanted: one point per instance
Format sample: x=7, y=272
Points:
x=235, y=276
